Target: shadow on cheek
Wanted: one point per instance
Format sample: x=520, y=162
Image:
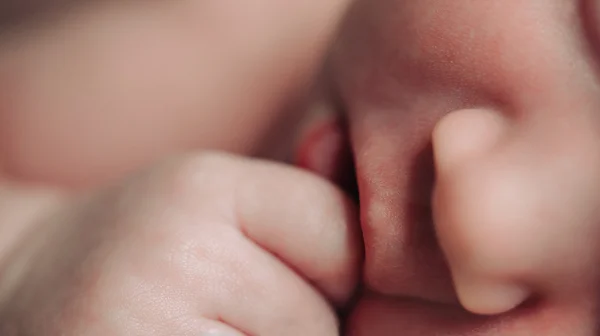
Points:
x=420, y=190
x=16, y=13
x=347, y=167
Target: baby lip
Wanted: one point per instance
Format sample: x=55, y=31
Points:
x=403, y=258
x=325, y=150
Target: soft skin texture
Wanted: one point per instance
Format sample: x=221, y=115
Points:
x=96, y=91
x=509, y=93
x=199, y=245
x=204, y=244
x=473, y=123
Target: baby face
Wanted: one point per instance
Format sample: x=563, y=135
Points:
x=508, y=89
x=510, y=92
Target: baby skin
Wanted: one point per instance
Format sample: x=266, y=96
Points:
x=476, y=131
x=115, y=220
x=474, y=136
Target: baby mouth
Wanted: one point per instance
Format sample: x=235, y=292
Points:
x=409, y=297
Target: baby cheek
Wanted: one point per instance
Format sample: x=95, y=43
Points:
x=504, y=52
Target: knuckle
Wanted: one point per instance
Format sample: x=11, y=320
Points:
x=187, y=184
x=212, y=261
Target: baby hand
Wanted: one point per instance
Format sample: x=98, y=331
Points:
x=204, y=245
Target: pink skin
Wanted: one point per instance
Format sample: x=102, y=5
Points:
x=324, y=150
x=135, y=82
x=515, y=189
x=516, y=183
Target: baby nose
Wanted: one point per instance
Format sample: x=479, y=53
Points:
x=515, y=208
